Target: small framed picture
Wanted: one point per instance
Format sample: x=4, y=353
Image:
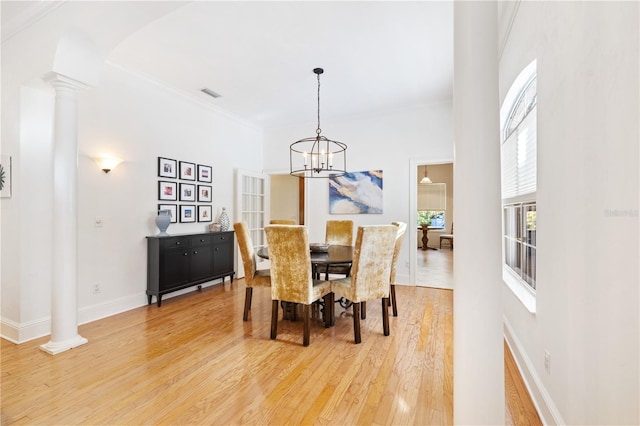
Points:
x=167, y=168
x=187, y=192
x=187, y=214
x=187, y=171
x=173, y=211
x=204, y=173
x=204, y=193
x=167, y=190
x=204, y=214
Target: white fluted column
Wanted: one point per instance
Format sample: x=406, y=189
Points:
x=64, y=306
x=478, y=396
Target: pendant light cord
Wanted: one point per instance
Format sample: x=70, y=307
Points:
x=318, y=130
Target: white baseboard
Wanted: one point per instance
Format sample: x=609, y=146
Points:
x=547, y=410
x=112, y=307
x=24, y=332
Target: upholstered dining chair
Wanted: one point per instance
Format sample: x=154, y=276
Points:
x=253, y=277
x=402, y=228
x=370, y=272
x=338, y=232
x=282, y=222
x=291, y=275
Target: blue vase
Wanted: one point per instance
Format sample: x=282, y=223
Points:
x=163, y=220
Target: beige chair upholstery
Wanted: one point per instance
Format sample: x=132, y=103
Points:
x=291, y=276
x=338, y=232
x=252, y=276
x=370, y=273
x=448, y=237
x=402, y=228
x=282, y=222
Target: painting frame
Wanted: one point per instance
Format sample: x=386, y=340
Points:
x=356, y=193
x=204, y=173
x=187, y=170
x=173, y=211
x=167, y=168
x=167, y=191
x=187, y=192
x=187, y=213
x=204, y=193
x=204, y=213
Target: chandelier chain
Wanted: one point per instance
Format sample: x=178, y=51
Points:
x=318, y=130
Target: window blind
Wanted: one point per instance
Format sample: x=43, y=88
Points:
x=519, y=159
x=432, y=196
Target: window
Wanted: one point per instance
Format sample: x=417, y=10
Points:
x=520, y=240
x=519, y=179
x=432, y=203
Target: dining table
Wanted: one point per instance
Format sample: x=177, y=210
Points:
x=425, y=235
x=334, y=255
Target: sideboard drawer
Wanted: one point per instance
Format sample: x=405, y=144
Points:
x=222, y=237
x=200, y=241
x=173, y=242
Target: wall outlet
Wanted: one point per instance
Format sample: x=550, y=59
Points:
x=547, y=362
x=97, y=288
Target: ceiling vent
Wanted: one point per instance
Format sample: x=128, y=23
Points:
x=211, y=93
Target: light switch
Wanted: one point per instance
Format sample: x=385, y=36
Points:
x=98, y=221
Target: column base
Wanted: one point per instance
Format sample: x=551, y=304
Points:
x=55, y=348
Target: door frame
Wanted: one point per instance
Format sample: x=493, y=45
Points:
x=413, y=207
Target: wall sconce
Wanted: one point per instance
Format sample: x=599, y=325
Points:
x=107, y=163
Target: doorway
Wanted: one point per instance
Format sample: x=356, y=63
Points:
x=287, y=198
x=431, y=204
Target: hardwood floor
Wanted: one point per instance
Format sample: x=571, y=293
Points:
x=194, y=361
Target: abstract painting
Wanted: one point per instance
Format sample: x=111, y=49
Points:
x=356, y=193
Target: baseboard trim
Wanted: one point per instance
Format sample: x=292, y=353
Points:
x=547, y=410
x=23, y=332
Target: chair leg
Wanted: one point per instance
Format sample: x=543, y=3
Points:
x=274, y=319
x=247, y=303
x=356, y=322
x=363, y=310
x=307, y=325
x=393, y=300
x=328, y=310
x=385, y=316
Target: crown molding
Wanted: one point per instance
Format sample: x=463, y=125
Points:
x=193, y=98
x=32, y=12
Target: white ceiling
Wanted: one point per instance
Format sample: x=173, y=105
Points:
x=378, y=56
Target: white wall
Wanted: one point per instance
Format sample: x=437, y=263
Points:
x=138, y=121
x=588, y=133
x=376, y=142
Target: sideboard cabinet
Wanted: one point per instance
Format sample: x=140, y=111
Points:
x=179, y=261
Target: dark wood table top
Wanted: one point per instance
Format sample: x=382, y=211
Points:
x=336, y=255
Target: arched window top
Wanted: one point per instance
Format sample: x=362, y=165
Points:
x=521, y=108
x=519, y=100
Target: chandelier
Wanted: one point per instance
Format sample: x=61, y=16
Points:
x=318, y=156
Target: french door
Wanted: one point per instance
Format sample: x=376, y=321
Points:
x=252, y=205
